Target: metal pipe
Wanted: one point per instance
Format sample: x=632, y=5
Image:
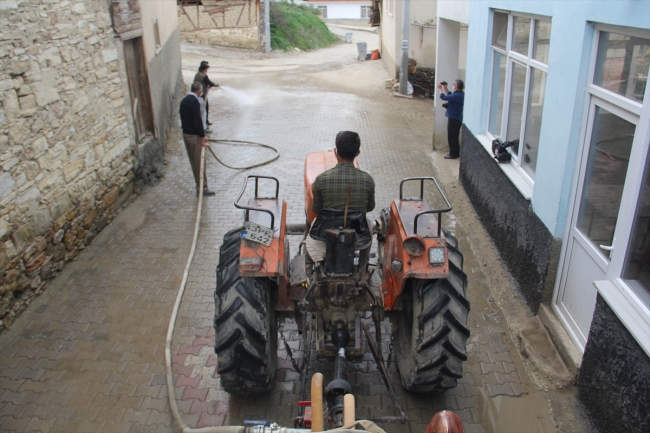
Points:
x=267, y=26
x=404, y=68
x=339, y=367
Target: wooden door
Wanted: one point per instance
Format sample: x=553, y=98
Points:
x=136, y=72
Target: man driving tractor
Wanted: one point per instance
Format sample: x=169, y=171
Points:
x=337, y=187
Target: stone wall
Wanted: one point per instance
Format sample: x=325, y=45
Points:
x=614, y=380
x=240, y=37
x=237, y=27
x=65, y=149
x=524, y=243
x=191, y=18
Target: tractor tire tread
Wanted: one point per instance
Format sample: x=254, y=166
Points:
x=430, y=357
x=245, y=329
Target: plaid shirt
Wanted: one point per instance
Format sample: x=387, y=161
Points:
x=331, y=189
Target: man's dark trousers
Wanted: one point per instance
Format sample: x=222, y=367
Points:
x=193, y=147
x=453, y=132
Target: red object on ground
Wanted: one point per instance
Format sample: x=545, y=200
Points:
x=305, y=420
x=445, y=422
x=374, y=55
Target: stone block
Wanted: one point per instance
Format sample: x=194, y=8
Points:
x=61, y=207
x=5, y=227
x=73, y=169
x=50, y=181
x=109, y=198
x=6, y=185
x=6, y=85
x=109, y=55
x=30, y=198
x=51, y=57
x=23, y=236
x=37, y=148
x=45, y=94
x=10, y=104
x=53, y=156
x=42, y=220
x=17, y=68
x=80, y=101
x=10, y=163
x=117, y=150
x=27, y=102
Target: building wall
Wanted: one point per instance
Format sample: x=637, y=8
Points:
x=571, y=38
x=164, y=13
x=422, y=33
x=350, y=11
x=457, y=10
x=65, y=147
x=191, y=18
x=615, y=369
x=237, y=27
x=165, y=81
x=614, y=380
x=391, y=34
x=422, y=45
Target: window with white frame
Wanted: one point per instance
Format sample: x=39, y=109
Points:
x=520, y=47
x=323, y=11
x=366, y=11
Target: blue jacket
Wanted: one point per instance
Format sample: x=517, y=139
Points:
x=456, y=102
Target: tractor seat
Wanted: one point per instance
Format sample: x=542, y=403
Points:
x=333, y=219
x=264, y=219
x=427, y=224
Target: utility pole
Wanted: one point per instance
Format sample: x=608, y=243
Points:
x=267, y=25
x=406, y=26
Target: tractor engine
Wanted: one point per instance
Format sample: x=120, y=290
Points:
x=339, y=307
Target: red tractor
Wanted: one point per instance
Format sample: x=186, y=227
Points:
x=417, y=282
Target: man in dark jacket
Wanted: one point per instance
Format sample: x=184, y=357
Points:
x=202, y=77
x=454, y=113
x=194, y=134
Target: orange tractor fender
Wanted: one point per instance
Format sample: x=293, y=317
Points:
x=406, y=255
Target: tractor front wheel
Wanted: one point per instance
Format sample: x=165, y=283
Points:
x=432, y=332
x=246, y=334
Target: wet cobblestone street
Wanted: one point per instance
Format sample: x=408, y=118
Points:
x=88, y=355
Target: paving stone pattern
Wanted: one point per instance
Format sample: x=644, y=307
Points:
x=88, y=355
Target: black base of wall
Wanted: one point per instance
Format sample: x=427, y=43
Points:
x=523, y=241
x=150, y=163
x=614, y=382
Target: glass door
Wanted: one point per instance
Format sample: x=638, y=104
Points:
x=596, y=214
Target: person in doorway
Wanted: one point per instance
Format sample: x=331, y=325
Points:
x=330, y=191
x=454, y=114
x=194, y=134
x=202, y=77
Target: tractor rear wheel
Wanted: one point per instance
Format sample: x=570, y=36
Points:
x=432, y=332
x=246, y=334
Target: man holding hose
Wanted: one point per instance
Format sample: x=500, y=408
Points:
x=194, y=134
